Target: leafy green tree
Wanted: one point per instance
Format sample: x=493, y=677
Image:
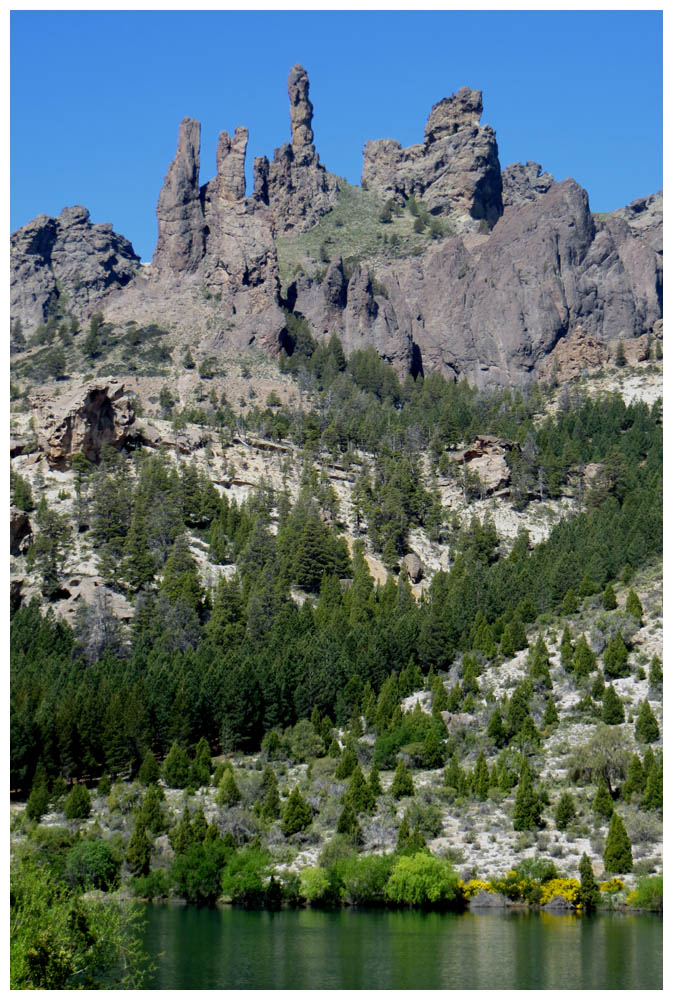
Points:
x=565, y=811
x=197, y=872
x=297, y=814
x=176, y=767
x=647, y=728
x=527, y=804
x=423, y=880
x=403, y=783
x=78, y=803
x=613, y=710
x=617, y=856
x=92, y=864
x=589, y=894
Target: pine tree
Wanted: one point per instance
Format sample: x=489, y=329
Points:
x=590, y=894
x=550, y=717
x=496, y=729
x=439, y=697
x=569, y=603
x=615, y=657
x=647, y=728
x=613, y=710
x=228, y=793
x=181, y=837
x=297, y=814
x=634, y=607
x=567, y=650
x=617, y=856
x=149, y=769
x=656, y=676
x=527, y=805
x=346, y=765
x=654, y=789
x=565, y=811
x=480, y=778
x=609, y=598
x=602, y=804
x=433, y=750
x=585, y=659
x=636, y=779
x=137, y=565
x=403, y=783
x=375, y=782
x=454, y=777
x=348, y=824
x=269, y=794
x=199, y=825
x=151, y=815
x=359, y=793
x=139, y=852
x=176, y=767
x=78, y=803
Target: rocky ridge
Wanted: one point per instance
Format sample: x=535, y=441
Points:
x=520, y=263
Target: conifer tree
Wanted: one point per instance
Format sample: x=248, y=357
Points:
x=615, y=657
x=269, y=794
x=613, y=710
x=609, y=598
x=181, y=837
x=527, y=805
x=656, y=675
x=585, y=659
x=176, y=767
x=359, y=793
x=433, y=751
x=590, y=894
x=403, y=783
x=654, y=789
x=439, y=697
x=297, y=814
x=647, y=728
x=375, y=782
x=569, y=603
x=454, y=777
x=139, y=852
x=602, y=805
x=348, y=824
x=151, y=814
x=496, y=729
x=550, y=717
x=199, y=825
x=636, y=779
x=567, y=650
x=565, y=811
x=347, y=764
x=480, y=778
x=617, y=856
x=334, y=750
x=228, y=793
x=634, y=607
x=149, y=769
x=78, y=803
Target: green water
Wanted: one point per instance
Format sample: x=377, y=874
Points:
x=356, y=949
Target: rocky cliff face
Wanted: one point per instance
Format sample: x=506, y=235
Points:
x=528, y=264
x=66, y=263
x=455, y=170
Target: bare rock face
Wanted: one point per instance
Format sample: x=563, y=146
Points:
x=92, y=415
x=20, y=531
x=522, y=182
x=575, y=355
x=66, y=263
x=295, y=187
x=487, y=457
x=414, y=567
x=455, y=171
x=645, y=217
x=181, y=242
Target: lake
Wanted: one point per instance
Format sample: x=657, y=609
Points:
x=369, y=949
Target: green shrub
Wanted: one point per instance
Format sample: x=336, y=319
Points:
x=648, y=894
x=78, y=803
x=423, y=880
x=92, y=864
x=297, y=814
x=365, y=879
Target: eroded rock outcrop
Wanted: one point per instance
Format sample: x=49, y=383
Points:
x=295, y=187
x=90, y=416
x=455, y=170
x=487, y=457
x=522, y=182
x=65, y=264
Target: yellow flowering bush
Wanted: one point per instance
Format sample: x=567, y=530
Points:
x=474, y=886
x=568, y=888
x=613, y=885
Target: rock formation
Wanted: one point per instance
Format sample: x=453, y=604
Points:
x=487, y=457
x=529, y=267
x=295, y=187
x=90, y=416
x=414, y=567
x=20, y=531
x=455, y=171
x=66, y=264
x=522, y=182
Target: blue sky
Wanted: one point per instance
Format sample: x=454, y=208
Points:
x=96, y=97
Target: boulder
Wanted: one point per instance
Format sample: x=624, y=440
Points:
x=559, y=903
x=413, y=566
x=488, y=900
x=487, y=457
x=90, y=416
